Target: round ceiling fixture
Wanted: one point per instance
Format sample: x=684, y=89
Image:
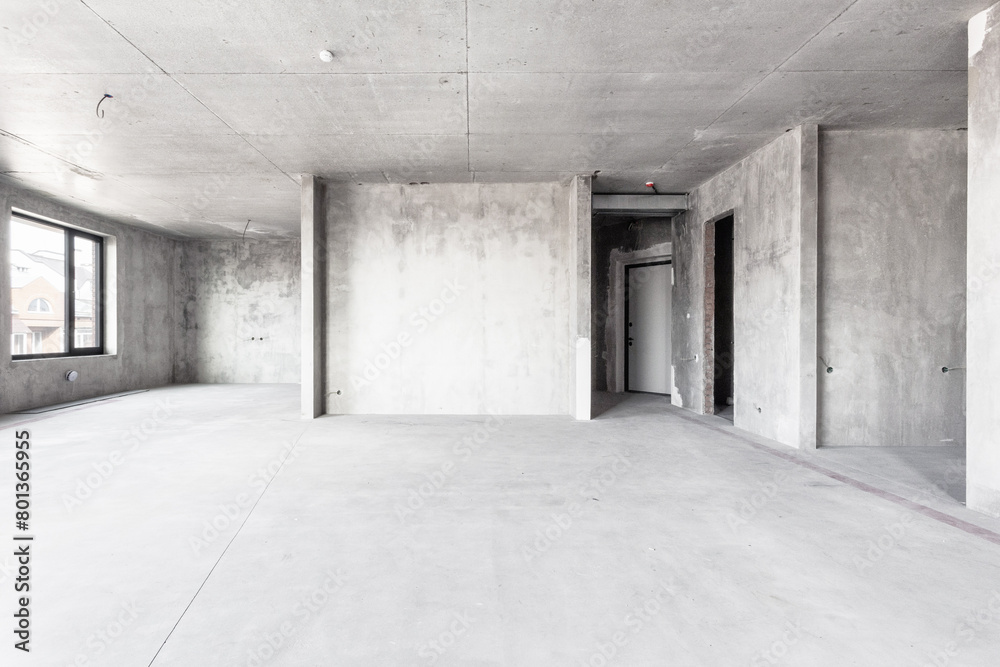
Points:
x=326, y=56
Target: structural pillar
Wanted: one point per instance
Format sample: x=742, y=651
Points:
x=808, y=283
x=313, y=257
x=580, y=297
x=983, y=266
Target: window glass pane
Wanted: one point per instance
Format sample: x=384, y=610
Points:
x=85, y=286
x=38, y=288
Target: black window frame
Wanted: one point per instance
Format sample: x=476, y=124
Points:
x=69, y=276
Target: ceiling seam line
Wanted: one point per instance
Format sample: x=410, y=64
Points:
x=120, y=34
x=120, y=218
x=865, y=71
x=495, y=73
x=70, y=164
x=234, y=130
x=766, y=76
x=468, y=114
x=818, y=33
x=38, y=148
x=184, y=88
x=779, y=65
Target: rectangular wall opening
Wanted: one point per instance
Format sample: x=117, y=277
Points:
x=720, y=349
x=724, y=348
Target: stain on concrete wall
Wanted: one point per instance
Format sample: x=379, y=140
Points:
x=624, y=235
x=770, y=194
x=237, y=311
x=983, y=488
x=688, y=299
x=449, y=299
x=892, y=287
x=144, y=297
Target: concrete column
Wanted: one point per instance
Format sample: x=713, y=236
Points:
x=580, y=299
x=983, y=304
x=313, y=238
x=808, y=281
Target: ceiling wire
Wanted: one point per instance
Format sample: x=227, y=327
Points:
x=185, y=88
x=100, y=113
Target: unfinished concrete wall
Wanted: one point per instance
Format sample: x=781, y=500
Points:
x=688, y=299
x=623, y=236
x=892, y=287
x=238, y=311
x=450, y=298
x=773, y=196
x=983, y=449
x=142, y=295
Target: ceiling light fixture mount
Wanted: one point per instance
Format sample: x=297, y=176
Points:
x=326, y=56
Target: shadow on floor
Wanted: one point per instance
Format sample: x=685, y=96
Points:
x=937, y=471
x=727, y=412
x=933, y=471
x=608, y=405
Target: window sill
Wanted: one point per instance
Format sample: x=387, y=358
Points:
x=68, y=358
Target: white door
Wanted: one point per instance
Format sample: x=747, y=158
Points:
x=648, y=328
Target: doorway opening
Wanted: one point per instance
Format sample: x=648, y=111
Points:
x=648, y=320
x=720, y=343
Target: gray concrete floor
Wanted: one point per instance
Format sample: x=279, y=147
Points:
x=227, y=532
x=930, y=471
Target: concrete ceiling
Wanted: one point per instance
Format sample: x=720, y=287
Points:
x=220, y=105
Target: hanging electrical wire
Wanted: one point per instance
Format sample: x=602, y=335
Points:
x=100, y=112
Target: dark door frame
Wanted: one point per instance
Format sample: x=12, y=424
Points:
x=709, y=342
x=628, y=292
